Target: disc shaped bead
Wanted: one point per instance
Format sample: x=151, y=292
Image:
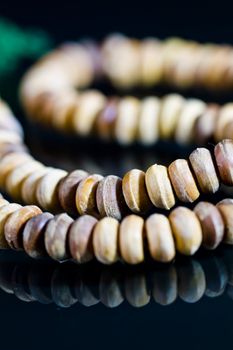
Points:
x=5, y=212
x=226, y=210
x=148, y=128
x=223, y=152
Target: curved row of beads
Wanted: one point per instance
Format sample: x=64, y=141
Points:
x=61, y=237
x=49, y=96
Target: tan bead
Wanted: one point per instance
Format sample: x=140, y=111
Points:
x=203, y=167
x=109, y=197
x=159, y=187
x=131, y=239
x=205, y=124
x=226, y=211
x=105, y=240
x=106, y=120
x=171, y=108
x=47, y=189
x=183, y=181
x=64, y=109
x=191, y=111
x=3, y=202
x=86, y=195
x=226, y=201
x=67, y=190
x=56, y=236
x=127, y=121
x=7, y=136
x=29, y=185
x=211, y=223
x=10, y=162
x=15, y=179
x=5, y=211
x=15, y=223
x=225, y=116
x=89, y=106
x=148, y=124
x=223, y=153
x=135, y=191
x=151, y=61
x=160, y=239
x=186, y=229
x=80, y=238
x=33, y=235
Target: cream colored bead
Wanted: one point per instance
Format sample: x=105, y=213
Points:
x=135, y=191
x=7, y=136
x=89, y=105
x=5, y=212
x=29, y=185
x=186, y=229
x=159, y=187
x=127, y=120
x=171, y=108
x=226, y=210
x=15, y=179
x=151, y=61
x=148, y=126
x=105, y=240
x=192, y=110
x=160, y=239
x=47, y=189
x=225, y=116
x=3, y=202
x=131, y=239
x=183, y=181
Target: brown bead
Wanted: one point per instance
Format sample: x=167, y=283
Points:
x=205, y=125
x=135, y=191
x=211, y=223
x=56, y=236
x=203, y=167
x=86, y=195
x=226, y=211
x=160, y=239
x=106, y=120
x=186, y=229
x=159, y=187
x=223, y=152
x=183, y=181
x=5, y=212
x=80, y=238
x=33, y=235
x=131, y=239
x=67, y=190
x=15, y=224
x=109, y=197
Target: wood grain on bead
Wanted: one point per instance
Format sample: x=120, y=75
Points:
x=33, y=235
x=159, y=237
x=223, y=152
x=183, y=181
x=203, y=167
x=159, y=187
x=15, y=223
x=226, y=210
x=5, y=212
x=109, y=197
x=67, y=190
x=86, y=195
x=148, y=124
x=56, y=233
x=211, y=223
x=135, y=191
x=105, y=240
x=186, y=229
x=131, y=237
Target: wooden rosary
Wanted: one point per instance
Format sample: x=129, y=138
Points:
x=111, y=226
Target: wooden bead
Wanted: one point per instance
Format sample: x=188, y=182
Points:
x=203, y=167
x=226, y=201
x=63, y=110
x=127, y=120
x=3, y=202
x=192, y=110
x=105, y=122
x=160, y=239
x=109, y=197
x=47, y=189
x=15, y=179
x=67, y=190
x=159, y=187
x=29, y=185
x=86, y=195
x=152, y=61
x=15, y=223
x=10, y=162
x=186, y=229
x=211, y=223
x=225, y=116
x=205, y=124
x=80, y=238
x=7, y=136
x=131, y=239
x=171, y=108
x=148, y=124
x=33, y=235
x=5, y=211
x=105, y=240
x=135, y=191
x=226, y=211
x=56, y=236
x=182, y=181
x=223, y=152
